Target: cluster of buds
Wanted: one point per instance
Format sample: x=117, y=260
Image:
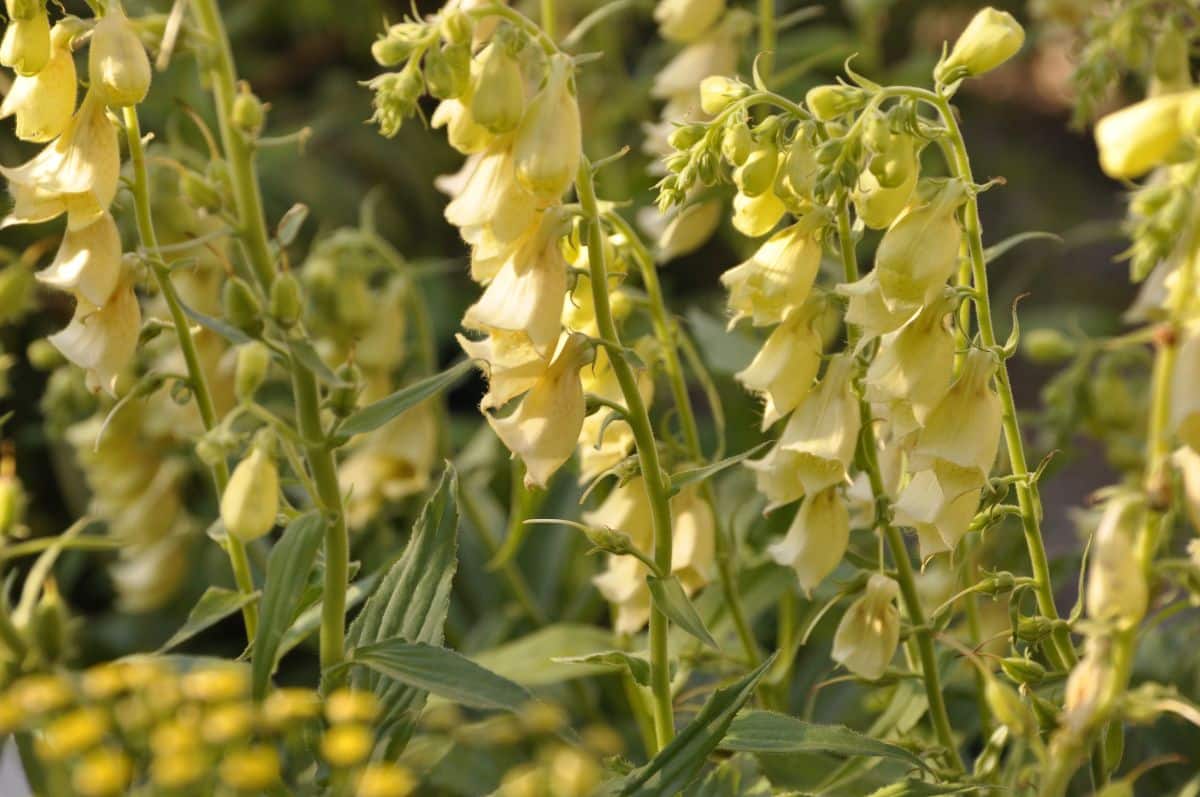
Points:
x=938, y=425
x=76, y=174
x=139, y=724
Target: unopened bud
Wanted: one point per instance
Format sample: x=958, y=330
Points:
x=398, y=43
x=26, y=44
x=991, y=38
x=396, y=95
x=830, y=102
x=50, y=625
x=253, y=360
x=344, y=398
x=248, y=113
x=757, y=175
x=548, y=144
x=499, y=99
x=250, y=502
x=118, y=66
x=12, y=496
x=1047, y=346
x=285, y=303
x=736, y=143
x=1008, y=708
x=43, y=356
x=1134, y=140
x=1022, y=670
x=1033, y=629
x=684, y=136
x=448, y=71
x=241, y=306
x=456, y=27
x=609, y=540
x=200, y=192
x=717, y=92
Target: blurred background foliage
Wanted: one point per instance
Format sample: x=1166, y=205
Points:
x=306, y=58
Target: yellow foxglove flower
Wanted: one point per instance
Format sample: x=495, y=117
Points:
x=147, y=576
x=777, y=278
x=868, y=311
x=816, y=541
x=579, y=309
x=718, y=92
x=939, y=504
x=964, y=427
x=783, y=371
x=549, y=141
x=823, y=431
x=991, y=38
x=498, y=96
x=102, y=339
x=777, y=476
x=118, y=67
x=1185, y=397
x=879, y=206
x=603, y=442
x=693, y=539
x=526, y=294
x=1134, y=140
x=542, y=430
x=462, y=131
x=250, y=502
x=687, y=20
x=77, y=173
x=682, y=231
x=1187, y=460
x=919, y=251
x=509, y=361
x=88, y=261
x=44, y=102
x=867, y=636
x=914, y=363
x=1116, y=587
x=490, y=200
x=623, y=584
x=1086, y=685
x=26, y=47
x=756, y=216
x=389, y=465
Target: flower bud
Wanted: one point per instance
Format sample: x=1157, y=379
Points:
x=717, y=92
x=687, y=20
x=798, y=174
x=344, y=398
x=920, y=250
x=547, y=148
x=26, y=44
x=991, y=38
x=199, y=191
x=684, y=136
x=1116, y=587
x=877, y=205
x=1047, y=346
x=1008, y=708
x=610, y=541
x=118, y=66
x=1033, y=629
x=830, y=102
x=448, y=71
x=285, y=303
x=869, y=631
x=456, y=26
x=248, y=113
x=241, y=306
x=1023, y=670
x=253, y=360
x=397, y=44
x=396, y=95
x=756, y=175
x=498, y=102
x=12, y=497
x=1134, y=140
x=964, y=427
x=736, y=142
x=250, y=502
x=816, y=540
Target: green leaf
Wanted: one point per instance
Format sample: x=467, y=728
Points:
x=676, y=765
x=373, y=416
x=443, y=672
x=693, y=475
x=920, y=788
x=540, y=659
x=638, y=667
x=411, y=603
x=289, y=226
x=214, y=605
x=768, y=732
x=303, y=352
x=996, y=250
x=737, y=777
x=670, y=598
x=287, y=572
x=227, y=331
x=309, y=620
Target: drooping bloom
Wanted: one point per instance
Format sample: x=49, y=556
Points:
x=118, y=67
x=542, y=430
x=1116, y=587
x=102, y=339
x=88, y=261
x=939, y=504
x=868, y=311
x=991, y=38
x=964, y=427
x=777, y=278
x=44, y=102
x=1135, y=139
x=462, y=131
x=549, y=141
x=491, y=208
x=817, y=538
x=878, y=205
x=823, y=431
x=783, y=371
x=687, y=20
x=867, y=636
x=914, y=363
x=26, y=46
x=919, y=251
x=755, y=216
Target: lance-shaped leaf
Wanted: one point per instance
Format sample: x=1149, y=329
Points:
x=614, y=660
x=442, y=672
x=671, y=600
x=693, y=475
x=998, y=249
x=410, y=603
x=768, y=732
x=214, y=605
x=374, y=415
x=922, y=788
x=287, y=572
x=676, y=765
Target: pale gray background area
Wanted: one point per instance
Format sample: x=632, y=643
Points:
x=12, y=781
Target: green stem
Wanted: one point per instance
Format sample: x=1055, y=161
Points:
x=549, y=17
x=239, y=152
x=895, y=539
x=647, y=449
x=668, y=339
x=197, y=378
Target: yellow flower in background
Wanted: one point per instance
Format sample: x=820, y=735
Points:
x=869, y=631
x=1116, y=586
x=823, y=430
x=687, y=20
x=118, y=67
x=1137, y=138
x=102, y=339
x=88, y=262
x=915, y=363
x=1187, y=461
x=44, y=101
x=919, y=251
x=1185, y=397
x=817, y=538
x=776, y=279
x=26, y=46
x=549, y=143
x=604, y=441
x=783, y=370
x=250, y=503
x=964, y=427
x=509, y=361
x=390, y=464
x=939, y=504
x=991, y=38
x=680, y=231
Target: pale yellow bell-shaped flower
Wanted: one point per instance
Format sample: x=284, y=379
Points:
x=823, y=430
x=687, y=20
x=498, y=89
x=579, y=308
x=816, y=540
x=118, y=67
x=879, y=206
x=867, y=636
x=777, y=278
x=756, y=216
x=964, y=427
x=1087, y=684
x=102, y=339
x=44, y=102
x=868, y=311
x=777, y=476
x=147, y=576
x=939, y=505
x=462, y=131
x=549, y=141
x=390, y=464
x=783, y=371
x=26, y=45
x=991, y=38
x=714, y=53
x=1187, y=460
x=509, y=361
x=919, y=251
x=544, y=427
x=623, y=584
x=1116, y=586
x=604, y=441
x=490, y=199
x=693, y=539
x=625, y=509
x=526, y=294
x=681, y=231
x=914, y=364
x=891, y=456
x=1135, y=139
x=77, y=173
x=88, y=261
x=1185, y=389
x=250, y=503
